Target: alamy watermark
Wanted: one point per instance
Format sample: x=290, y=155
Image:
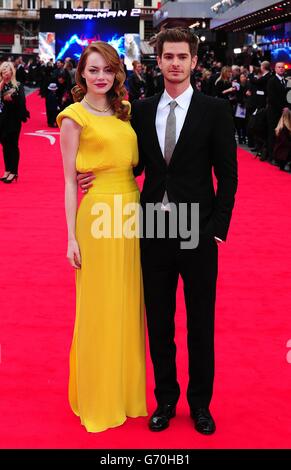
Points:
x=127, y=220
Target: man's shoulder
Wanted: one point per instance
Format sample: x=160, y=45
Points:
x=145, y=102
x=143, y=107
x=273, y=79
x=210, y=102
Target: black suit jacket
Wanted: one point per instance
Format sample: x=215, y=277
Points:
x=277, y=99
x=260, y=84
x=136, y=87
x=206, y=142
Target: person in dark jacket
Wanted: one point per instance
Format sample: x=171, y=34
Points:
x=277, y=101
x=241, y=110
x=136, y=83
x=52, y=105
x=260, y=84
x=282, y=147
x=223, y=85
x=12, y=113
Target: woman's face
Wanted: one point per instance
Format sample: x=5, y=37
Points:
x=98, y=74
x=6, y=74
x=138, y=67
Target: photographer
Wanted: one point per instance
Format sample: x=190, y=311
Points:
x=12, y=113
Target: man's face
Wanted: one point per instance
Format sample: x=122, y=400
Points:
x=176, y=62
x=138, y=68
x=279, y=68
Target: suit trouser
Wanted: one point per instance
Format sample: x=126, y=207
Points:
x=9, y=142
x=163, y=261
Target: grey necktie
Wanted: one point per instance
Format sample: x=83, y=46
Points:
x=170, y=139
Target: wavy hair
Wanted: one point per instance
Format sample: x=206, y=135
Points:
x=9, y=65
x=118, y=91
x=284, y=121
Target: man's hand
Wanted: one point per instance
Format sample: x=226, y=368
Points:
x=85, y=181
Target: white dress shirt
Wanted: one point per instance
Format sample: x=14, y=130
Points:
x=183, y=102
x=163, y=110
x=281, y=78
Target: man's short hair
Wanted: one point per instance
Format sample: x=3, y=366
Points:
x=177, y=35
x=266, y=65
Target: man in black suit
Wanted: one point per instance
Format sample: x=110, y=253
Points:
x=276, y=102
x=260, y=84
x=203, y=131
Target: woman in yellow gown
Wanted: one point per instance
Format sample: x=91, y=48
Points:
x=107, y=357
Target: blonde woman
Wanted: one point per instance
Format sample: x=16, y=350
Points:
x=107, y=358
x=223, y=85
x=12, y=113
x=282, y=147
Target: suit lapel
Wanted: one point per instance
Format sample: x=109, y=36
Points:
x=189, y=130
x=190, y=127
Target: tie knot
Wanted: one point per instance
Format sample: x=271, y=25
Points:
x=173, y=105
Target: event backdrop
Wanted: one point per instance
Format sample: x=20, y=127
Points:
x=75, y=29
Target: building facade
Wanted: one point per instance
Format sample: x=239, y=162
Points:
x=19, y=19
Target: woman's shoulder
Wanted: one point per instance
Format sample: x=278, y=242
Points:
x=75, y=107
x=73, y=111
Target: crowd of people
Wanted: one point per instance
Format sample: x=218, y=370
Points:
x=259, y=102
x=103, y=152
x=257, y=95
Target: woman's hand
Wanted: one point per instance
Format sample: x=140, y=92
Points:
x=7, y=97
x=73, y=254
x=9, y=94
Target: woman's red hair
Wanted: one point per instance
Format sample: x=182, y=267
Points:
x=118, y=90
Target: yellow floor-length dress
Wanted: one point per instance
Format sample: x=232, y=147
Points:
x=107, y=357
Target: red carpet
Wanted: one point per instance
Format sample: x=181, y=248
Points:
x=251, y=404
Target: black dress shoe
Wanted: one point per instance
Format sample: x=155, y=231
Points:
x=203, y=421
x=161, y=417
